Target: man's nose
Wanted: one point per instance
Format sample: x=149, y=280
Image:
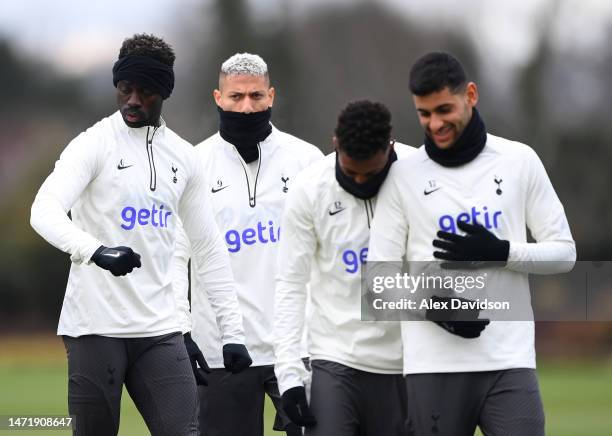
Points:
x=247, y=106
x=134, y=99
x=435, y=123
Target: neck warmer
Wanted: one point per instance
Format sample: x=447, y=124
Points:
x=245, y=131
x=145, y=71
x=371, y=187
x=469, y=144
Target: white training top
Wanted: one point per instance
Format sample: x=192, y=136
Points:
x=505, y=188
x=126, y=186
x=247, y=201
x=326, y=231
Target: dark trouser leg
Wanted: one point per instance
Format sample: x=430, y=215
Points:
x=96, y=370
x=513, y=406
x=445, y=404
x=383, y=399
x=161, y=383
x=232, y=404
x=334, y=400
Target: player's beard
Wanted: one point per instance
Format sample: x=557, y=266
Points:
x=469, y=144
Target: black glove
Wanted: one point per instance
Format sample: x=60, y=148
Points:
x=460, y=322
x=479, y=248
x=196, y=356
x=118, y=260
x=236, y=358
x=296, y=407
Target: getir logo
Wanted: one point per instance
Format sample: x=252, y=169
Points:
x=262, y=233
x=353, y=259
x=490, y=220
x=156, y=217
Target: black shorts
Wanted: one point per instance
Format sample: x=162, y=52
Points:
x=233, y=404
x=156, y=372
x=501, y=403
x=349, y=402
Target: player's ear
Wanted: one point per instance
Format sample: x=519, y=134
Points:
x=471, y=92
x=271, y=94
x=217, y=96
x=335, y=142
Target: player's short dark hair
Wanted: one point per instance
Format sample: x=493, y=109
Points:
x=363, y=129
x=150, y=46
x=435, y=71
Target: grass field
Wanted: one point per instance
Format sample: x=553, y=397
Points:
x=577, y=395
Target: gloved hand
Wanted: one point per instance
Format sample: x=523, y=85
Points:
x=460, y=322
x=196, y=356
x=296, y=407
x=118, y=260
x=478, y=248
x=236, y=358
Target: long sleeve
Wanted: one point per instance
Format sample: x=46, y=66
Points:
x=180, y=278
x=389, y=231
x=388, y=236
x=296, y=250
x=210, y=260
x=554, y=250
x=76, y=168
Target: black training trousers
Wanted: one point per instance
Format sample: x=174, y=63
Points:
x=233, y=404
x=501, y=403
x=156, y=372
x=349, y=402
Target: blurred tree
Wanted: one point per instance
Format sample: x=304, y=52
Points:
x=567, y=132
x=41, y=112
x=364, y=50
x=13, y=71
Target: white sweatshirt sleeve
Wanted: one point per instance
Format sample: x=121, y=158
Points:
x=210, y=260
x=554, y=250
x=296, y=250
x=389, y=231
x=180, y=277
x=77, y=166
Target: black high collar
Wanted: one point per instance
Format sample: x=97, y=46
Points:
x=465, y=149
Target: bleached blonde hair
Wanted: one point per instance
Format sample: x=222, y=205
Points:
x=245, y=63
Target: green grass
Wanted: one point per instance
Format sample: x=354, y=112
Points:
x=42, y=390
x=577, y=398
x=577, y=395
